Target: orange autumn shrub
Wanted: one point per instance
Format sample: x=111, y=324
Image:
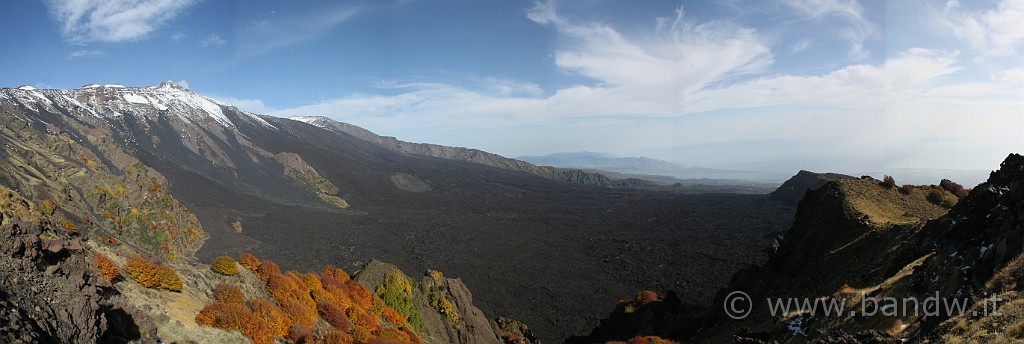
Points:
x=232, y=317
x=224, y=265
x=645, y=297
x=142, y=271
x=391, y=334
x=337, y=337
x=392, y=316
x=238, y=318
x=106, y=267
x=358, y=294
x=209, y=314
x=297, y=282
x=277, y=322
x=362, y=318
x=650, y=340
x=266, y=269
x=361, y=334
x=312, y=281
x=328, y=281
x=290, y=287
x=296, y=313
x=335, y=316
x=336, y=273
x=413, y=338
x=249, y=261
x=228, y=293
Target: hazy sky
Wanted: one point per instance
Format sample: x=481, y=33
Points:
x=766, y=85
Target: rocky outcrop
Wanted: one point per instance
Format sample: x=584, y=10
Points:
x=793, y=190
x=49, y=292
x=447, y=310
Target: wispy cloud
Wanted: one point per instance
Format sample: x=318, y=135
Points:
x=800, y=46
x=707, y=83
x=213, y=40
x=83, y=21
x=995, y=31
x=858, y=30
x=86, y=54
x=282, y=30
x=177, y=37
x=649, y=76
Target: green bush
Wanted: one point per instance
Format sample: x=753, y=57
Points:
x=396, y=292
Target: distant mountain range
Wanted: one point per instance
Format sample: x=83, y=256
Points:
x=646, y=166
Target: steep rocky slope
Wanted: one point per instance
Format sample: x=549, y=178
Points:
x=54, y=290
x=875, y=265
x=73, y=187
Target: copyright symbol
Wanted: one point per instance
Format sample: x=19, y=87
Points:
x=737, y=305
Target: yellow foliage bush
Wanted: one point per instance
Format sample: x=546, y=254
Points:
x=224, y=265
x=142, y=271
x=168, y=278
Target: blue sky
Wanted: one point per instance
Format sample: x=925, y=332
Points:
x=835, y=85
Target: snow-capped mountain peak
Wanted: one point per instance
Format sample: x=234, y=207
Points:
x=115, y=101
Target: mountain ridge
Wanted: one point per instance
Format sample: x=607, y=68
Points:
x=473, y=155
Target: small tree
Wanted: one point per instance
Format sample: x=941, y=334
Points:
x=954, y=188
x=889, y=182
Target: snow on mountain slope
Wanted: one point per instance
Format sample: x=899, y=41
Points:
x=150, y=102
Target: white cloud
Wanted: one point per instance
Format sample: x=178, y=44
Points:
x=279, y=31
x=917, y=67
x=251, y=105
x=708, y=84
x=650, y=76
x=86, y=54
x=859, y=29
x=213, y=40
x=182, y=83
x=996, y=31
x=83, y=21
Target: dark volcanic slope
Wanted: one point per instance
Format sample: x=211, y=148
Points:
x=534, y=249
x=551, y=254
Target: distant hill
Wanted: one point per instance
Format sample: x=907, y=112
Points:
x=645, y=166
x=393, y=144
x=792, y=191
